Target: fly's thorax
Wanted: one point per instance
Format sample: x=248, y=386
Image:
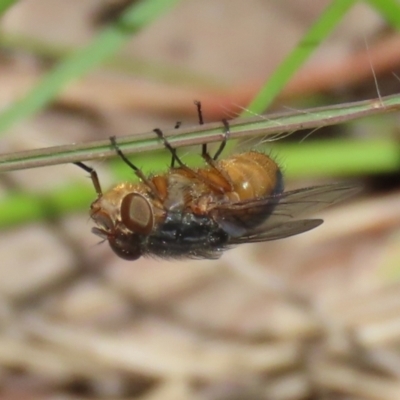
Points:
x=253, y=174
x=182, y=189
x=178, y=192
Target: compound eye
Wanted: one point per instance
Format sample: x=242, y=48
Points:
x=125, y=246
x=137, y=214
x=104, y=220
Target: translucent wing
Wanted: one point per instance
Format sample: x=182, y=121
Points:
x=306, y=201
x=284, y=230
x=256, y=217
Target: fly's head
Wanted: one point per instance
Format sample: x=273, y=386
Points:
x=123, y=221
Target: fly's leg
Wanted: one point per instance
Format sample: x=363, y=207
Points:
x=172, y=150
x=204, y=152
x=138, y=172
x=177, y=126
x=93, y=175
x=190, y=172
x=221, y=177
x=216, y=180
x=221, y=147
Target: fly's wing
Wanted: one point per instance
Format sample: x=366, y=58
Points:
x=306, y=201
x=256, y=217
x=285, y=230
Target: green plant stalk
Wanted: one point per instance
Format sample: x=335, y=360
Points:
x=388, y=9
x=5, y=5
x=340, y=158
x=105, y=44
x=292, y=63
x=267, y=126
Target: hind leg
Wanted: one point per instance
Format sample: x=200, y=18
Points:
x=204, y=151
x=215, y=174
x=214, y=179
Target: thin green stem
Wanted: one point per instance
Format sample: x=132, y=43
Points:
x=270, y=125
x=6, y=4
x=389, y=10
x=310, y=41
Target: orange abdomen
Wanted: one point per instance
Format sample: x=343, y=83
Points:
x=252, y=174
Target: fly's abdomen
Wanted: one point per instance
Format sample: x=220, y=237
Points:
x=253, y=175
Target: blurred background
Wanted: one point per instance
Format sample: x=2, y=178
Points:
x=316, y=316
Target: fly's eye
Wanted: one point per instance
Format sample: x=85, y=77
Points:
x=126, y=246
x=137, y=214
x=103, y=219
